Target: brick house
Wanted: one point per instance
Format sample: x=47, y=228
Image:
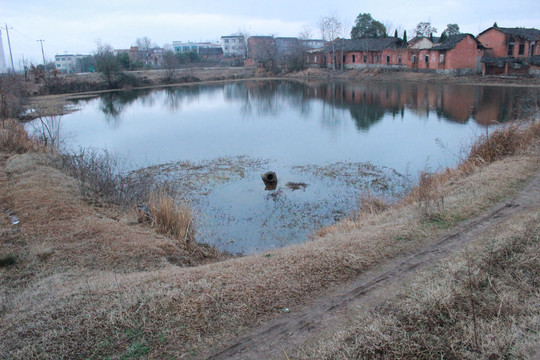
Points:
x=360, y=53
x=512, y=42
x=457, y=55
x=510, y=51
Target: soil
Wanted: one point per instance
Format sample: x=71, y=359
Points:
x=278, y=337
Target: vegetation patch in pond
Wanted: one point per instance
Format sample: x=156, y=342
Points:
x=358, y=175
x=201, y=177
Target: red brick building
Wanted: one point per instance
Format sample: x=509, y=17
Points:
x=458, y=54
x=512, y=42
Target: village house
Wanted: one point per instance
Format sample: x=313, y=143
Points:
x=360, y=53
x=512, y=42
x=69, y=63
x=233, y=45
x=510, y=51
x=457, y=55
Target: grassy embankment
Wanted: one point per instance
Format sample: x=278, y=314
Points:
x=479, y=303
x=90, y=284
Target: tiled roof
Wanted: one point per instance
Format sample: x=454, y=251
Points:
x=452, y=41
x=415, y=39
x=528, y=34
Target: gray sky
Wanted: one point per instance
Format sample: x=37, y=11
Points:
x=73, y=26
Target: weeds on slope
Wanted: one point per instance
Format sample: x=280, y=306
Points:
x=481, y=303
x=102, y=179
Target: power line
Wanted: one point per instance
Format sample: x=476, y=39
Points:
x=24, y=35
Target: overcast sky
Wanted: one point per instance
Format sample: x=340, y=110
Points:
x=73, y=26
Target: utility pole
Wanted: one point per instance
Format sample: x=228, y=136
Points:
x=42, y=52
x=10, y=54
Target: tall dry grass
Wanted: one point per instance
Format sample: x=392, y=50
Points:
x=505, y=141
x=172, y=217
x=14, y=138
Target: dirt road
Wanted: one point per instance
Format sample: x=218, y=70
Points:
x=278, y=337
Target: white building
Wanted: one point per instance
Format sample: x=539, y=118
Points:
x=233, y=45
x=67, y=63
x=185, y=47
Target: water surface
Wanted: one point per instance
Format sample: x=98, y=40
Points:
x=338, y=139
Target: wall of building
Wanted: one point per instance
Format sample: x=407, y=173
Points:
x=464, y=55
x=495, y=41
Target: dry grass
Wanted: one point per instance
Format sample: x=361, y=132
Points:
x=172, y=217
x=479, y=304
x=87, y=286
x=14, y=139
x=370, y=204
x=506, y=141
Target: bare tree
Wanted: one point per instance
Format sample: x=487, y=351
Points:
x=245, y=36
x=330, y=28
x=306, y=33
x=424, y=29
x=144, y=43
x=391, y=28
x=170, y=64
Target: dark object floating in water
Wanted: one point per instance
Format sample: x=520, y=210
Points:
x=296, y=185
x=270, y=180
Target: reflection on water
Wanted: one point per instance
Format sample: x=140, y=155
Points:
x=326, y=141
x=366, y=102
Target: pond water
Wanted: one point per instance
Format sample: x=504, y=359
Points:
x=326, y=141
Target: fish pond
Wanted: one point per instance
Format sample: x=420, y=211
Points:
x=327, y=142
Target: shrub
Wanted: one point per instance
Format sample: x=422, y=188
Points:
x=505, y=141
x=172, y=217
x=371, y=204
x=428, y=195
x=13, y=137
x=7, y=260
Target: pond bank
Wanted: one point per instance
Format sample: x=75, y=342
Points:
x=152, y=79
x=88, y=284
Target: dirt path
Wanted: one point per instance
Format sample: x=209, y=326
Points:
x=277, y=337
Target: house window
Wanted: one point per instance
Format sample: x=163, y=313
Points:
x=388, y=59
x=399, y=59
x=365, y=58
x=376, y=59
x=226, y=41
x=354, y=58
x=427, y=59
x=315, y=60
x=441, y=58
x=532, y=50
x=343, y=58
x=521, y=48
x=413, y=59
x=510, y=49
